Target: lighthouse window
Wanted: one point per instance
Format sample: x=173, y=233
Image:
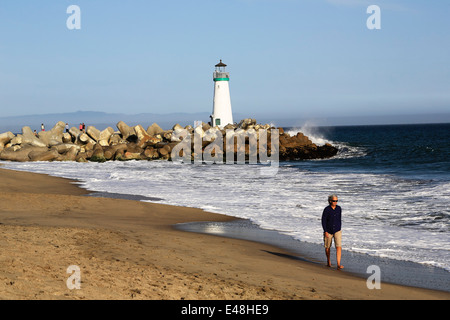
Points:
x=217, y=122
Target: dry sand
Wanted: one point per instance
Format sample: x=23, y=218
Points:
x=129, y=250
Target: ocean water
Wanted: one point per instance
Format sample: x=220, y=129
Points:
x=393, y=184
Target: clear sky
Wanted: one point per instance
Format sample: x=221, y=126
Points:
x=298, y=58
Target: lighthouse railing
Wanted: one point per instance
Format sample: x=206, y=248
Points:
x=221, y=75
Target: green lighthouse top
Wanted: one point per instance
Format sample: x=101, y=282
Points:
x=220, y=74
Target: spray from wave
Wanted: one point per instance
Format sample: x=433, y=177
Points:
x=317, y=136
x=312, y=132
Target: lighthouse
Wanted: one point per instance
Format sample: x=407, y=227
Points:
x=221, y=115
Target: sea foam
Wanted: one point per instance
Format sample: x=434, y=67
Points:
x=379, y=215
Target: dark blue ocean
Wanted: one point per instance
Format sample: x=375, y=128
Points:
x=417, y=151
x=415, y=157
x=394, y=185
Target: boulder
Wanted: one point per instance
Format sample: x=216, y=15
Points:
x=18, y=140
x=235, y=141
x=105, y=135
x=154, y=143
x=132, y=156
x=89, y=146
x=212, y=134
x=98, y=155
x=151, y=153
x=81, y=157
x=53, y=136
x=154, y=129
x=19, y=153
x=110, y=151
x=177, y=127
x=75, y=133
x=167, y=135
x=152, y=140
x=93, y=132
x=246, y=123
x=65, y=147
x=134, y=148
x=48, y=155
x=67, y=137
x=205, y=126
x=142, y=143
x=299, y=140
x=120, y=155
x=307, y=152
x=70, y=155
x=28, y=137
x=199, y=132
x=165, y=150
x=141, y=133
x=103, y=143
x=125, y=130
x=116, y=138
x=300, y=147
x=5, y=138
x=229, y=127
x=84, y=138
x=178, y=134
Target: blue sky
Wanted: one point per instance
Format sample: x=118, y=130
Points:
x=293, y=58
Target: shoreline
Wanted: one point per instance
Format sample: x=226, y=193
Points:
x=129, y=249
x=398, y=272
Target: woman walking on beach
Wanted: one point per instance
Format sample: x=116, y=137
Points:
x=331, y=224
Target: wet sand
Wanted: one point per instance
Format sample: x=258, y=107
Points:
x=392, y=271
x=128, y=249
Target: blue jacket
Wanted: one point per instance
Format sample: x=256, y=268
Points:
x=331, y=219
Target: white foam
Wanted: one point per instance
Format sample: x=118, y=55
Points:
x=345, y=151
x=379, y=216
x=309, y=130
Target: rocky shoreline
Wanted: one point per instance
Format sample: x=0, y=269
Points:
x=154, y=143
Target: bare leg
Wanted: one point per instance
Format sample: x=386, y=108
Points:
x=327, y=252
x=338, y=257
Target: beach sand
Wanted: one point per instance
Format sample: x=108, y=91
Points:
x=127, y=249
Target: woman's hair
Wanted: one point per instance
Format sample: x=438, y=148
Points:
x=331, y=196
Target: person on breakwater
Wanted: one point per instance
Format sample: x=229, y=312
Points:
x=331, y=224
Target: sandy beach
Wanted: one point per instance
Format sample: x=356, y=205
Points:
x=128, y=249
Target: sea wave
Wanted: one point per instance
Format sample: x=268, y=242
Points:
x=383, y=215
x=317, y=136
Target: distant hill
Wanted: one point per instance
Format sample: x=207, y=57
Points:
x=100, y=120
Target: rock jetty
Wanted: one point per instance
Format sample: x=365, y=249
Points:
x=154, y=143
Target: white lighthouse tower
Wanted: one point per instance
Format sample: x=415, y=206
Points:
x=222, y=114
